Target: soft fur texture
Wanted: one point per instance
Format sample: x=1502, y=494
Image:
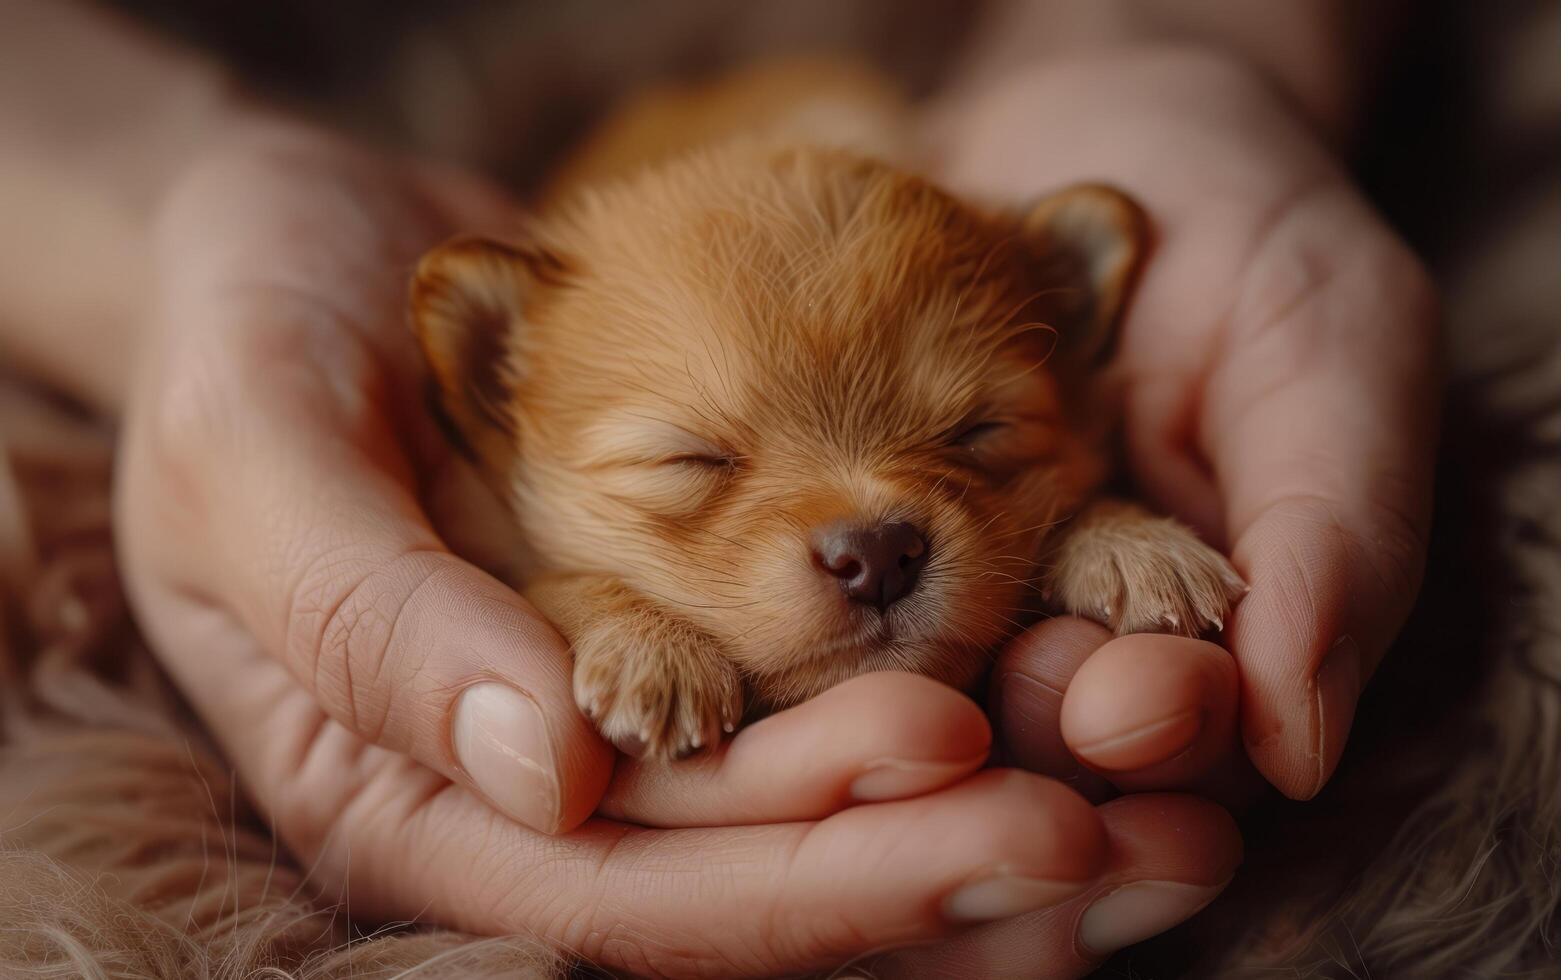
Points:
x=1433, y=855
x=682, y=379
x=701, y=358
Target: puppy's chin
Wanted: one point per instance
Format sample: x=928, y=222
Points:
x=864, y=641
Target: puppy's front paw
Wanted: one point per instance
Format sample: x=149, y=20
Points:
x=660, y=693
x=1138, y=573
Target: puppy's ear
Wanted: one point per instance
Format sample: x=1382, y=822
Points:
x=468, y=305
x=1091, y=240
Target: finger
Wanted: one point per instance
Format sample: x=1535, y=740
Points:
x=751, y=901
x=1168, y=464
x=394, y=841
x=1158, y=712
x=307, y=531
x=1321, y=425
x=1002, y=843
x=270, y=482
x=874, y=738
x=1135, y=713
x=1029, y=685
x=1170, y=857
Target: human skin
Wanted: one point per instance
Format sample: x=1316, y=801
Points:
x=1280, y=372
x=247, y=328
x=306, y=626
x=275, y=549
x=1280, y=364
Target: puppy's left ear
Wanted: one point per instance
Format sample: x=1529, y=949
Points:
x=469, y=301
x=1091, y=240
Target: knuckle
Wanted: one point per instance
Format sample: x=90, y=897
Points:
x=346, y=612
x=1383, y=541
x=1307, y=287
x=605, y=932
x=192, y=414
x=277, y=359
x=1289, y=263
x=216, y=387
x=305, y=808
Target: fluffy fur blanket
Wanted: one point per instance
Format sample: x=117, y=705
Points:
x=126, y=850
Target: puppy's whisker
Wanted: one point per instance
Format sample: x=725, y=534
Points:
x=738, y=350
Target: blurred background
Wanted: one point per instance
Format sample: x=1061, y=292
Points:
x=1462, y=147
x=508, y=85
x=1462, y=150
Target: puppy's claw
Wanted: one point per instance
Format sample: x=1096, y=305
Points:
x=1144, y=574
x=656, y=698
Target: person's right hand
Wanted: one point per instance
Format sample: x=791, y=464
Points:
x=405, y=722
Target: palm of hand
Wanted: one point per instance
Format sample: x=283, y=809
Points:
x=279, y=561
x=1289, y=389
x=1278, y=366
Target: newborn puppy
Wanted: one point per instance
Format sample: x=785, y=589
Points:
x=769, y=418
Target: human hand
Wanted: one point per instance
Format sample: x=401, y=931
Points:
x=1170, y=854
x=1280, y=376
x=383, y=701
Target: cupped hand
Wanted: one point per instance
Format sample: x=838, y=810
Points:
x=1280, y=374
x=405, y=722
x=1138, y=714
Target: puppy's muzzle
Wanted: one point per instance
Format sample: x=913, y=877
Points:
x=876, y=564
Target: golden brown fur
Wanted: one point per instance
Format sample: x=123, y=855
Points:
x=677, y=378
x=1467, y=888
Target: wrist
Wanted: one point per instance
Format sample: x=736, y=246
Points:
x=100, y=120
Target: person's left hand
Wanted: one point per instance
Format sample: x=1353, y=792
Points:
x=1279, y=365
x=1066, y=691
x=1281, y=375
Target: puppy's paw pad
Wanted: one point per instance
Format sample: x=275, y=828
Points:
x=1153, y=576
x=655, y=701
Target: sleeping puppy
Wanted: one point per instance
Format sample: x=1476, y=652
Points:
x=768, y=417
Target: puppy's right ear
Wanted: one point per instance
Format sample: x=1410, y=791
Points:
x=1093, y=240
x=468, y=304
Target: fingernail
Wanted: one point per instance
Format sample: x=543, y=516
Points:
x=1005, y=895
x=1338, y=689
x=1145, y=745
x=502, y=743
x=1137, y=911
x=899, y=779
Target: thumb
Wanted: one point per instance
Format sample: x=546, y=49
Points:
x=1322, y=426
x=305, y=529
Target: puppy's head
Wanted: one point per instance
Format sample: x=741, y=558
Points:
x=817, y=407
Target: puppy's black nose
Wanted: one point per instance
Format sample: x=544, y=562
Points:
x=876, y=564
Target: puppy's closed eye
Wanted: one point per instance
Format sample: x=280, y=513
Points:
x=999, y=448
x=775, y=418
x=656, y=466
x=974, y=433
x=711, y=459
